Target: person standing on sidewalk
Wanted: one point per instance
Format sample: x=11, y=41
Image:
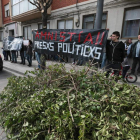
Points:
x=4, y=54
x=29, y=53
x=135, y=54
x=22, y=54
x=25, y=53
x=115, y=53
x=8, y=54
x=103, y=64
x=128, y=44
x=37, y=55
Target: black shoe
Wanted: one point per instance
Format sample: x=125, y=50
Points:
x=21, y=63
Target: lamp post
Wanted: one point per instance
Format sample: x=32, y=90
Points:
x=99, y=13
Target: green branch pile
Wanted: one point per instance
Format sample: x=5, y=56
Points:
x=61, y=105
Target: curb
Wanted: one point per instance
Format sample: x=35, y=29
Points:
x=15, y=71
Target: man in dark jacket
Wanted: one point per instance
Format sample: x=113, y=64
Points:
x=115, y=53
x=22, y=54
x=135, y=54
x=29, y=53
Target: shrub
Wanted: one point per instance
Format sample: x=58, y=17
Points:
x=60, y=105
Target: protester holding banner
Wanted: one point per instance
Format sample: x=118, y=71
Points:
x=29, y=53
x=103, y=64
x=115, y=51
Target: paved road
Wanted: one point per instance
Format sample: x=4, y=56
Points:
x=3, y=78
x=3, y=82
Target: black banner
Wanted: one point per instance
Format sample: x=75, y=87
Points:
x=71, y=43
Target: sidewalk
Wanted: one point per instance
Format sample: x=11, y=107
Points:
x=20, y=69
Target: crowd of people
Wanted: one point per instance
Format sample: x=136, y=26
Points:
x=116, y=55
x=26, y=53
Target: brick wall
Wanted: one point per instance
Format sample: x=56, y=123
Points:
x=5, y=19
x=0, y=15
x=63, y=3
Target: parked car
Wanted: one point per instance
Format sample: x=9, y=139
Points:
x=1, y=63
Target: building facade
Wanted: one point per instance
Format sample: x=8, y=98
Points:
x=1, y=25
x=118, y=15
x=10, y=28
x=27, y=15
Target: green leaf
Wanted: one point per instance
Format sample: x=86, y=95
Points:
x=83, y=116
x=25, y=124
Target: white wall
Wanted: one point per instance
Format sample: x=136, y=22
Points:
x=115, y=19
x=1, y=45
x=13, y=26
x=19, y=29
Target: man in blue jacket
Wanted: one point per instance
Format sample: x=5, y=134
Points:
x=135, y=54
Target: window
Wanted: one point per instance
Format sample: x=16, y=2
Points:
x=7, y=13
x=131, y=26
x=1, y=35
x=89, y=21
x=65, y=24
x=27, y=32
x=11, y=32
x=21, y=6
x=15, y=1
x=40, y=25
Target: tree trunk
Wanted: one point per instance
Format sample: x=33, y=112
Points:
x=44, y=19
x=44, y=26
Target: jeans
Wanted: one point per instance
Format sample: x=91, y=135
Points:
x=4, y=54
x=103, y=61
x=80, y=61
x=115, y=66
x=125, y=69
x=8, y=54
x=136, y=61
x=37, y=55
x=14, y=58
x=29, y=59
x=22, y=57
x=25, y=55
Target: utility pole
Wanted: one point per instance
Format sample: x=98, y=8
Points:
x=99, y=13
